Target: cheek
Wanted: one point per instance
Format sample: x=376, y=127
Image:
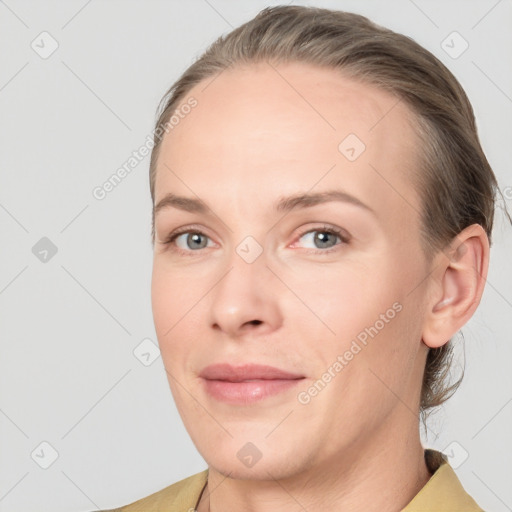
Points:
x=346, y=298
x=179, y=315
x=163, y=301
x=362, y=305
x=168, y=309
x=372, y=360
x=379, y=347
x=172, y=295
x=169, y=304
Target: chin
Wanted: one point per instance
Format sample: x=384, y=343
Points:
x=262, y=470
x=252, y=461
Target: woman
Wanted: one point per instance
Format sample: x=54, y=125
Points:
x=321, y=226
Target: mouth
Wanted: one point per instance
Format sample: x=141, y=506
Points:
x=246, y=384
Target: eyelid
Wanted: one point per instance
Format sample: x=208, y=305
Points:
x=343, y=235
x=192, y=228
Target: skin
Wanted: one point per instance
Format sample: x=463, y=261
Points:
x=257, y=134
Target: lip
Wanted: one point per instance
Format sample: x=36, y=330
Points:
x=227, y=372
x=246, y=384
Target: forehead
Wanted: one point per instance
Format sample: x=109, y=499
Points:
x=276, y=130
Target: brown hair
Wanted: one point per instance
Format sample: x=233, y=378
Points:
x=454, y=178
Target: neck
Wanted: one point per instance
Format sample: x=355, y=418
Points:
x=381, y=473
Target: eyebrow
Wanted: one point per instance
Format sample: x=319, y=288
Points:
x=284, y=204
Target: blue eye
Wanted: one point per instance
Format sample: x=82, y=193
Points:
x=192, y=240
x=188, y=241
x=324, y=239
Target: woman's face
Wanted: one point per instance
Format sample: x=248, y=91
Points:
x=330, y=290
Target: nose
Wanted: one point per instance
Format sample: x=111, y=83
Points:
x=246, y=299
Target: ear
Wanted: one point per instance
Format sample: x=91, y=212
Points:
x=459, y=279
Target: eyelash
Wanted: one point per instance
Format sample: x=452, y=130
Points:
x=324, y=229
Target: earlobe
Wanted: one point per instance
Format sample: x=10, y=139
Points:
x=459, y=282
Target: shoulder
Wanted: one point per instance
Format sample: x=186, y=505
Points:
x=180, y=496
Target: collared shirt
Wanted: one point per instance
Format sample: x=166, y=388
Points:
x=442, y=493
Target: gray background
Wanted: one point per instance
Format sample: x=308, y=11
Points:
x=70, y=324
